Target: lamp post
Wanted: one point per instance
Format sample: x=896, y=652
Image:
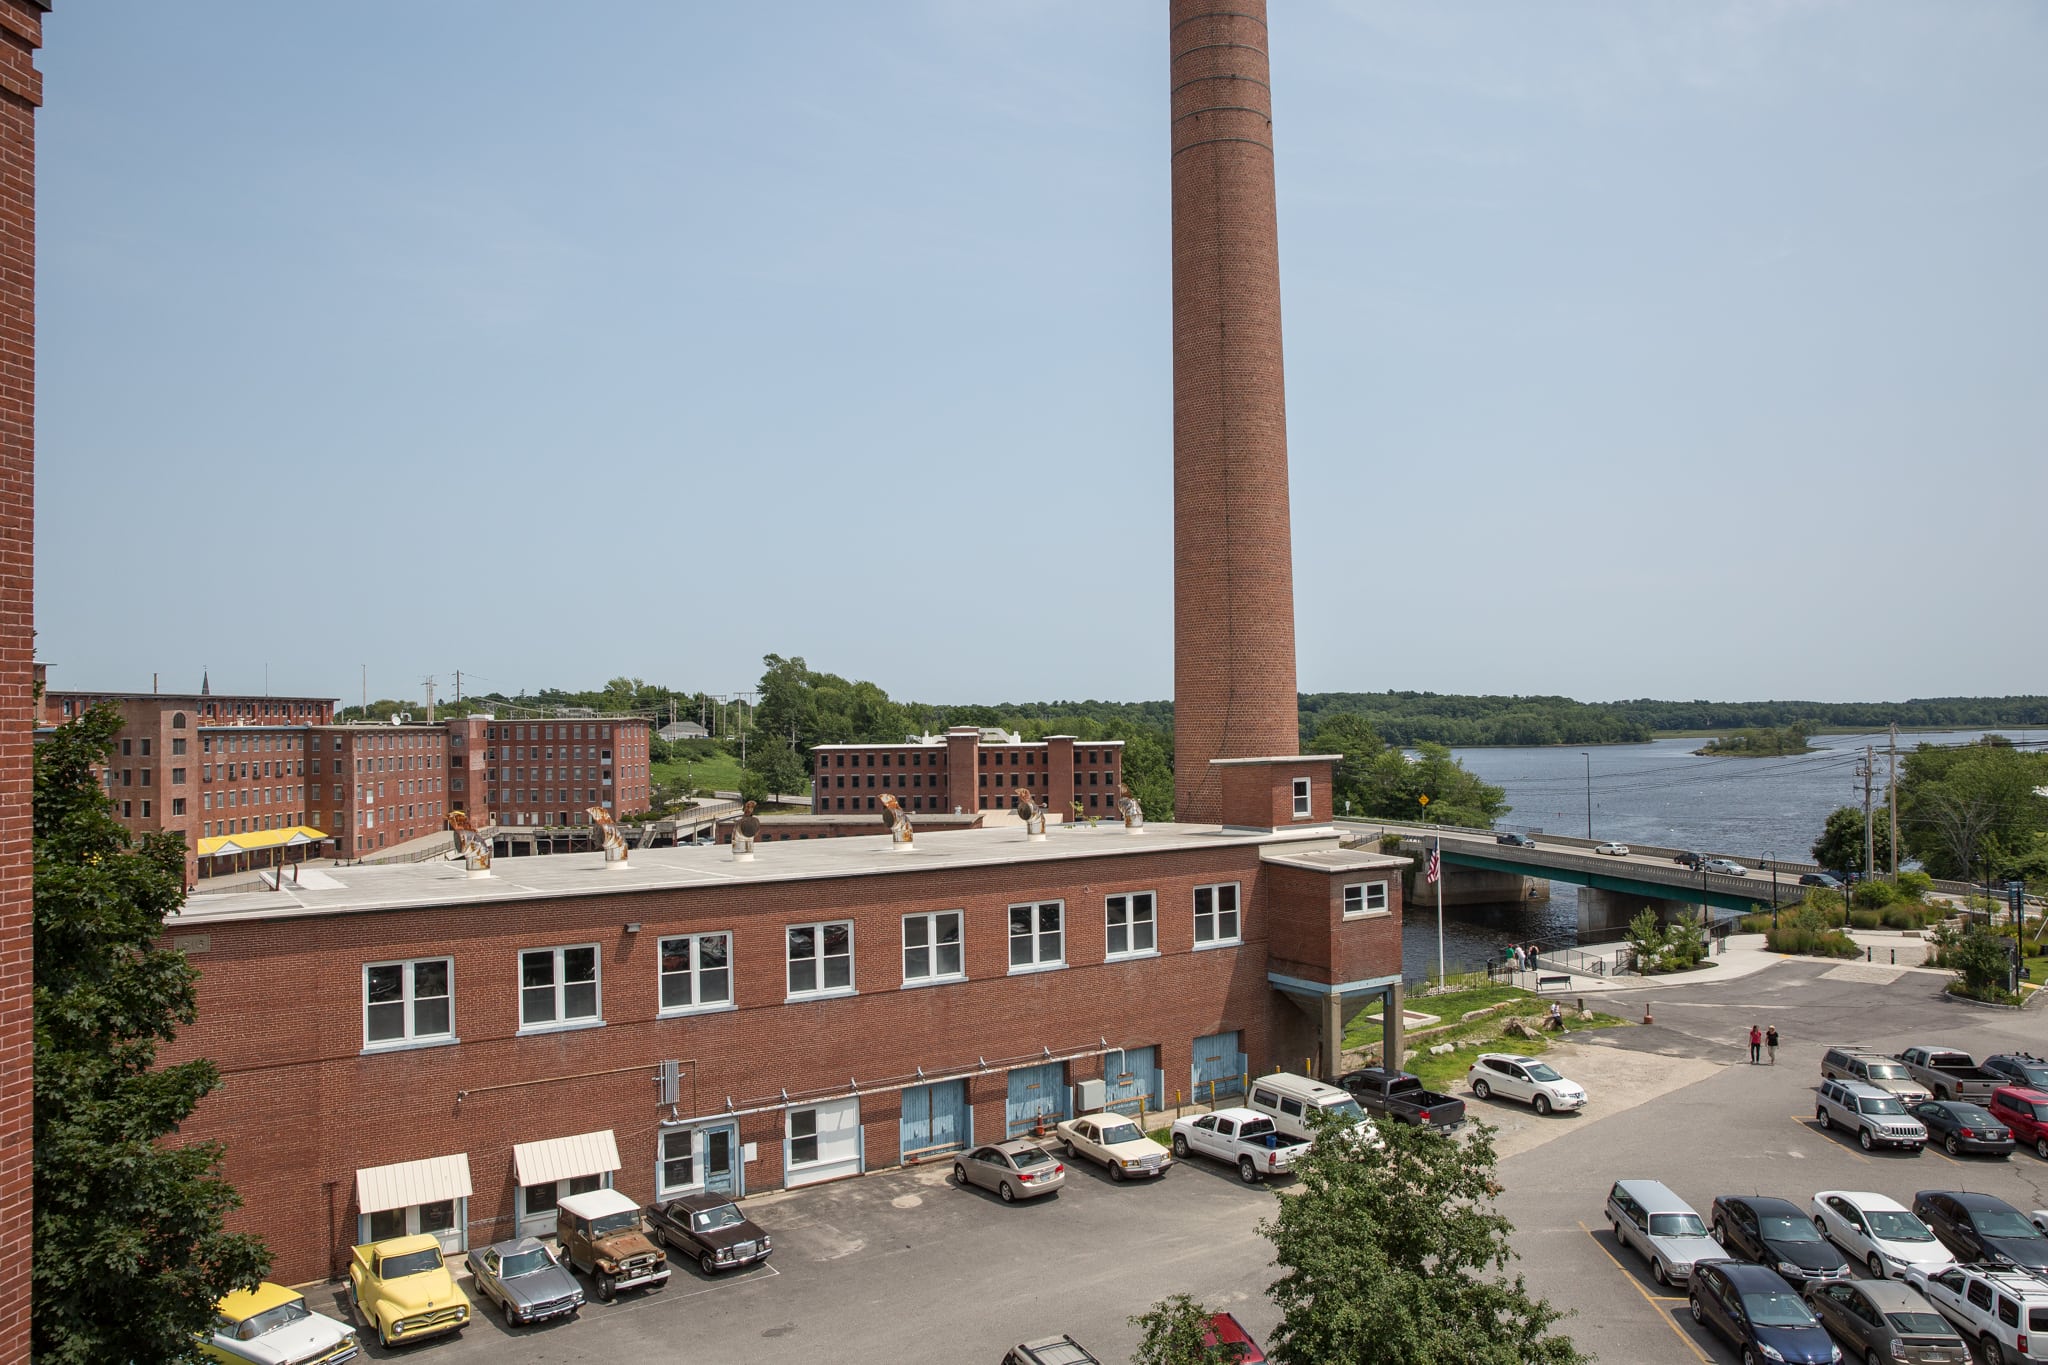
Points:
x=1772, y=859
x=1589, y=791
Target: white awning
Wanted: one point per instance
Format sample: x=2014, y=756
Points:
x=412, y=1182
x=536, y=1163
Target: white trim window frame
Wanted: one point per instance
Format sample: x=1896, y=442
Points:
x=558, y=988
x=693, y=973
x=1038, y=936
x=408, y=1003
x=676, y=1155
x=1130, y=925
x=1219, y=920
x=933, y=951
x=1365, y=898
x=818, y=959
x=1304, y=804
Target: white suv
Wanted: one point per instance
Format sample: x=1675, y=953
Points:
x=2003, y=1313
x=1877, y=1118
x=1525, y=1079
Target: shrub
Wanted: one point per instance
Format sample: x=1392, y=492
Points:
x=1754, y=924
x=1390, y=843
x=1994, y=995
x=1825, y=901
x=1905, y=917
x=1685, y=944
x=1874, y=895
x=1980, y=961
x=1792, y=938
x=1866, y=919
x=1914, y=886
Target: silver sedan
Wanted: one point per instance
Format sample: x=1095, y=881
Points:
x=1014, y=1170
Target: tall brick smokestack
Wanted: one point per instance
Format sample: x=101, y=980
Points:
x=1233, y=573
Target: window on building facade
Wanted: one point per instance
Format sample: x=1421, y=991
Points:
x=408, y=1002
x=1301, y=798
x=1131, y=925
x=145, y=810
x=678, y=1160
x=821, y=958
x=1216, y=914
x=1037, y=937
x=931, y=947
x=177, y=805
x=558, y=986
x=696, y=972
x=1365, y=898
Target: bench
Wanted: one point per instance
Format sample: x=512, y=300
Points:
x=1542, y=981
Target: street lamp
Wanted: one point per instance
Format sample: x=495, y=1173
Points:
x=1772, y=859
x=1589, y=791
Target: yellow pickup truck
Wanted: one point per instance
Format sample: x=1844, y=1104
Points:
x=403, y=1290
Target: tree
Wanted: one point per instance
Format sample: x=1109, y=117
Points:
x=777, y=766
x=1967, y=811
x=1176, y=1332
x=1396, y=1260
x=1645, y=938
x=1981, y=960
x=130, y=1253
x=1840, y=845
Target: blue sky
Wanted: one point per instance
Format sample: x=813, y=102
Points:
x=1674, y=349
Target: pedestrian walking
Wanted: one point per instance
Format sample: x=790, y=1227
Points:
x=1771, y=1042
x=1756, y=1044
x=1556, y=1017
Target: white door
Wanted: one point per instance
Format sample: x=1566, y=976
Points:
x=822, y=1142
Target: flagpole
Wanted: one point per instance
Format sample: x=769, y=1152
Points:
x=1438, y=858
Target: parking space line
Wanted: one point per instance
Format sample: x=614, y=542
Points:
x=1656, y=1304
x=1933, y=1150
x=1807, y=1125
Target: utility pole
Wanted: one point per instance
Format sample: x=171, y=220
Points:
x=366, y=691
x=430, y=698
x=1891, y=800
x=458, y=687
x=1589, y=793
x=1869, y=850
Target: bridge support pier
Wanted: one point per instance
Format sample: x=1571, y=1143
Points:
x=1471, y=886
x=1604, y=914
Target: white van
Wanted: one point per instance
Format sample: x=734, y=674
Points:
x=1287, y=1100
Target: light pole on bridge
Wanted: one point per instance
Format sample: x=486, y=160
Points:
x=1589, y=791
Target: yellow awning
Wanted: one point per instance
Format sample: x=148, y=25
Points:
x=260, y=838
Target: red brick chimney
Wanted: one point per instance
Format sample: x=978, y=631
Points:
x=1233, y=574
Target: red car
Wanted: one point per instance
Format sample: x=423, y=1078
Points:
x=2026, y=1113
x=1228, y=1333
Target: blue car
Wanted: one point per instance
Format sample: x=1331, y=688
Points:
x=1753, y=1307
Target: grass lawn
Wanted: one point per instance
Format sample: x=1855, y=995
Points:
x=721, y=772
x=1483, y=1034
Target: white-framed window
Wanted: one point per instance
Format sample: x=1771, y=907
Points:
x=1301, y=798
x=1131, y=924
x=678, y=1161
x=1037, y=936
x=1365, y=898
x=558, y=987
x=931, y=948
x=821, y=958
x=408, y=1002
x=696, y=972
x=1216, y=920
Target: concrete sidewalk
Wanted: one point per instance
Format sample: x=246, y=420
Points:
x=1741, y=955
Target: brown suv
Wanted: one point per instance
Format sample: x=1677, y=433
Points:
x=601, y=1236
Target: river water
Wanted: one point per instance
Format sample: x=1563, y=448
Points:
x=1655, y=793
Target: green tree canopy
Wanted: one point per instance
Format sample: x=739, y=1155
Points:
x=130, y=1254
x=1175, y=1331
x=1973, y=811
x=1840, y=845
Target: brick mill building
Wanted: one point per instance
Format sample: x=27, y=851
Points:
x=691, y=1021
x=969, y=768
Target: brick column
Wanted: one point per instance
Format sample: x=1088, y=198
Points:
x=21, y=94
x=1233, y=575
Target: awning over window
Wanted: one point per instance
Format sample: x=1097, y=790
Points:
x=260, y=838
x=412, y=1182
x=536, y=1163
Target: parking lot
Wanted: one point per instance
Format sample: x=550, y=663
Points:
x=904, y=1267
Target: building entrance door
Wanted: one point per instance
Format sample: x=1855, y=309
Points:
x=722, y=1160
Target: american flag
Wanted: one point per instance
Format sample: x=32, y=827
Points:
x=1435, y=864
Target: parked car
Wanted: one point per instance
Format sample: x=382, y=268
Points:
x=1114, y=1142
x=1612, y=849
x=1851, y=1062
x=271, y=1325
x=1015, y=1170
x=1664, y=1229
x=1533, y=1082
x=1515, y=840
x=710, y=1229
x=1060, y=1350
x=1981, y=1230
x=1404, y=1098
x=2005, y=1312
x=401, y=1289
x=1691, y=860
x=600, y=1234
x=1288, y=1099
x=1824, y=880
x=1754, y=1308
x=1877, y=1119
x=1949, y=1074
x=1727, y=867
x=1228, y=1341
x=1774, y=1232
x=1878, y=1231
x=1886, y=1322
x=2019, y=1068
x=1243, y=1137
x=1961, y=1127
x=525, y=1280
x=2026, y=1113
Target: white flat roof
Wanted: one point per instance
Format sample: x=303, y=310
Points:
x=441, y=883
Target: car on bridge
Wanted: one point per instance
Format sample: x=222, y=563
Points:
x=1691, y=860
x=1727, y=867
x=1612, y=849
x=1824, y=880
x=1515, y=840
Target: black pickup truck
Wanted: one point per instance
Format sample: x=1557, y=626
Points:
x=1402, y=1097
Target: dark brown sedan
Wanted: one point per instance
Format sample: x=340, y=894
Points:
x=709, y=1227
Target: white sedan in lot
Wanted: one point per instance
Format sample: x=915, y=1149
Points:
x=1112, y=1141
x=1879, y=1232
x=1612, y=849
x=1523, y=1078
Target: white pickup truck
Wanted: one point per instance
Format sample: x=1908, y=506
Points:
x=1243, y=1137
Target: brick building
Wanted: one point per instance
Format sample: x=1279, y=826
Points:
x=546, y=772
x=968, y=768
x=688, y=1020
x=373, y=786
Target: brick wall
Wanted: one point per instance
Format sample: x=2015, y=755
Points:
x=21, y=93
x=1233, y=579
x=969, y=775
